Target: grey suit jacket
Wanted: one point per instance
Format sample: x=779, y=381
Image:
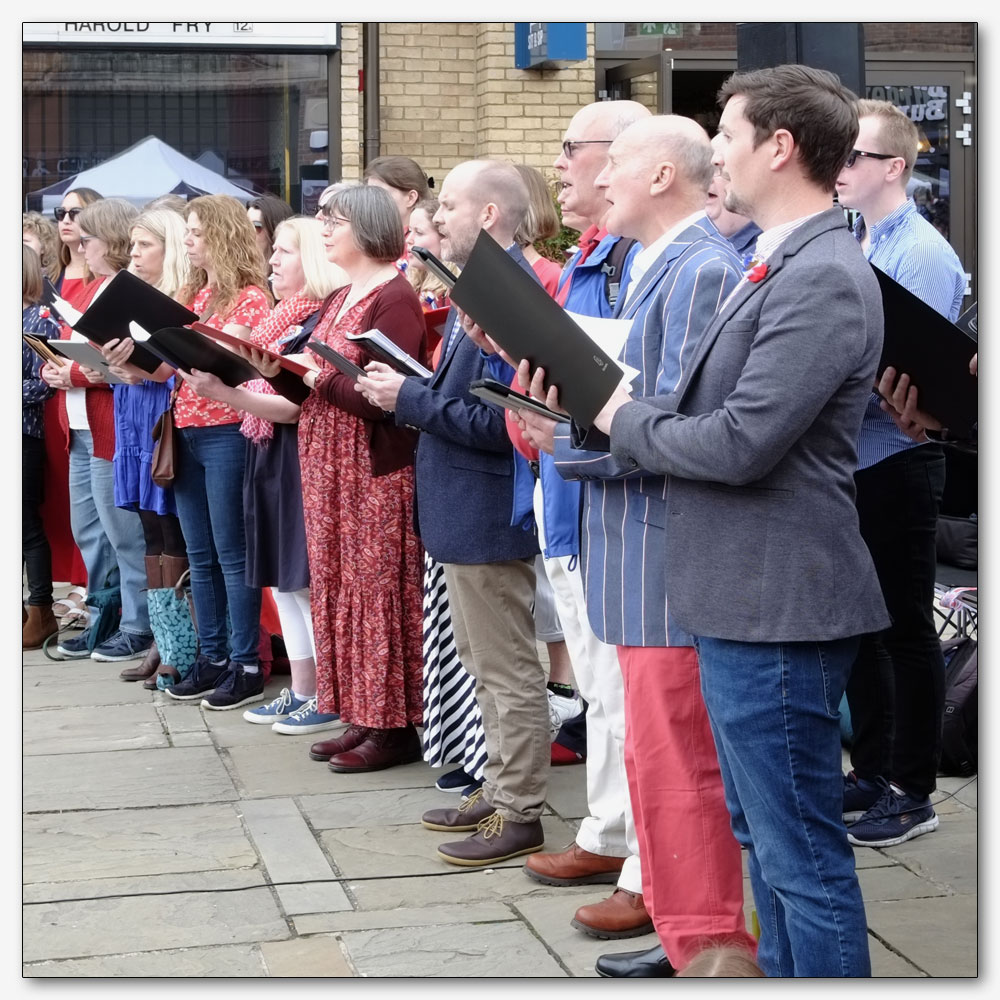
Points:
x=759, y=443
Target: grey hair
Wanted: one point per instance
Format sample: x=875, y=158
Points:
x=374, y=218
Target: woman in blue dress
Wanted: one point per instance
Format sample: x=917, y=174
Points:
x=158, y=257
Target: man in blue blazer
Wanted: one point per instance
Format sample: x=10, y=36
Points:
x=766, y=565
x=656, y=181
x=466, y=481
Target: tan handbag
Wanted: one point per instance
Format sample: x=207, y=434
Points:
x=164, y=449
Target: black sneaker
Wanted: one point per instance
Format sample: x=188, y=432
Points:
x=453, y=781
x=122, y=646
x=76, y=648
x=200, y=681
x=236, y=689
x=894, y=819
x=859, y=796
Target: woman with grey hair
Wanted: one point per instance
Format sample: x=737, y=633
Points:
x=365, y=560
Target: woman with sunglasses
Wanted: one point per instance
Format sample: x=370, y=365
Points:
x=365, y=560
x=110, y=539
x=265, y=215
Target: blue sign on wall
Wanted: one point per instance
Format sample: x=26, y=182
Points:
x=538, y=43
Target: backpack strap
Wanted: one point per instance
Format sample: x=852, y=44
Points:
x=612, y=269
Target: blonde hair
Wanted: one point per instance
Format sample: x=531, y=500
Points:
x=166, y=225
x=722, y=962
x=541, y=221
x=31, y=275
x=111, y=220
x=48, y=235
x=322, y=277
x=231, y=245
x=422, y=281
x=897, y=134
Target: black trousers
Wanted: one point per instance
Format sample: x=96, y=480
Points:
x=34, y=545
x=896, y=689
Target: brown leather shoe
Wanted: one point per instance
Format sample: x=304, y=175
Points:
x=350, y=738
x=621, y=915
x=383, y=748
x=466, y=817
x=574, y=866
x=495, y=840
x=145, y=669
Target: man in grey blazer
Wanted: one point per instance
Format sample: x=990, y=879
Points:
x=765, y=561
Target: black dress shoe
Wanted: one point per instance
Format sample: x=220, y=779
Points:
x=649, y=964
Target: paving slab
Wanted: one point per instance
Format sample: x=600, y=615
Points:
x=230, y=729
x=948, y=857
x=86, y=729
x=117, y=926
x=452, y=951
x=77, y=682
x=897, y=882
x=449, y=913
x=887, y=964
x=62, y=847
x=376, y=807
x=566, y=793
x=113, y=780
x=939, y=936
x=244, y=961
x=143, y=885
x=311, y=957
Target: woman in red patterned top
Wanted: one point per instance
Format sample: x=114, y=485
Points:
x=365, y=560
x=227, y=292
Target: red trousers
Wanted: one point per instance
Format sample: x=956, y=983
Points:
x=692, y=872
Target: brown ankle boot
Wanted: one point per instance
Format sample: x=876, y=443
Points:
x=174, y=568
x=145, y=669
x=40, y=624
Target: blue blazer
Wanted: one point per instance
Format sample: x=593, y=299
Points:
x=464, y=459
x=622, y=544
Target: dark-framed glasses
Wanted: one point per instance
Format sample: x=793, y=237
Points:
x=569, y=146
x=61, y=213
x=852, y=157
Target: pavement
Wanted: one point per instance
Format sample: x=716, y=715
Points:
x=163, y=840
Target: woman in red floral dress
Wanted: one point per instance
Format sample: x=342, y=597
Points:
x=365, y=560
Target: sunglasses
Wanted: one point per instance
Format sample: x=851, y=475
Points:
x=569, y=146
x=61, y=213
x=852, y=157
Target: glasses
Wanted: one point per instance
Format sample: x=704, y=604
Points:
x=61, y=213
x=84, y=240
x=852, y=157
x=569, y=146
x=332, y=221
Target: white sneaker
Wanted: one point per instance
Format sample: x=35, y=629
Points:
x=562, y=709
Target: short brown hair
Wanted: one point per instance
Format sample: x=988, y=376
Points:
x=31, y=275
x=897, y=134
x=374, y=218
x=812, y=104
x=111, y=220
x=399, y=172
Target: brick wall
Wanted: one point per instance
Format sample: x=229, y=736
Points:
x=351, y=110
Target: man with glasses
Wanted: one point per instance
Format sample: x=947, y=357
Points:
x=896, y=689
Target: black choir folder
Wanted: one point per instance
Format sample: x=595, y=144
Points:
x=129, y=299
x=514, y=309
x=934, y=352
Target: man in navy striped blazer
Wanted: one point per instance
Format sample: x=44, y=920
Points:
x=656, y=181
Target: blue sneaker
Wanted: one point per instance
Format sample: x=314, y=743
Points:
x=307, y=719
x=236, y=689
x=76, y=648
x=122, y=646
x=894, y=819
x=859, y=796
x=201, y=680
x=453, y=781
x=277, y=710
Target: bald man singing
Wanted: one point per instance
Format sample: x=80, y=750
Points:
x=656, y=182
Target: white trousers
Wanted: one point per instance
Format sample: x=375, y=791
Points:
x=609, y=829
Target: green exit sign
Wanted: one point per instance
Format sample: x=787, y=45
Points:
x=672, y=29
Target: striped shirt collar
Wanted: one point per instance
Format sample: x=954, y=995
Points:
x=886, y=225
x=769, y=240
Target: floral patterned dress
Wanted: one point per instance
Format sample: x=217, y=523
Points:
x=365, y=560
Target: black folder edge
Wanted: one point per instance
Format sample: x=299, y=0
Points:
x=344, y=365
x=435, y=266
x=934, y=352
x=514, y=309
x=239, y=369
x=503, y=395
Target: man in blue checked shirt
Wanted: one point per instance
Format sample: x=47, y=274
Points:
x=896, y=689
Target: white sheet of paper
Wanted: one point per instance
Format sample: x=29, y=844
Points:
x=138, y=332
x=610, y=336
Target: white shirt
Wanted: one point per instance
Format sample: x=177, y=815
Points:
x=645, y=257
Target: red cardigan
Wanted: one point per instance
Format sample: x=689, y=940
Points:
x=99, y=398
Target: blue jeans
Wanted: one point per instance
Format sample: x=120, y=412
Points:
x=208, y=490
x=110, y=539
x=774, y=712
